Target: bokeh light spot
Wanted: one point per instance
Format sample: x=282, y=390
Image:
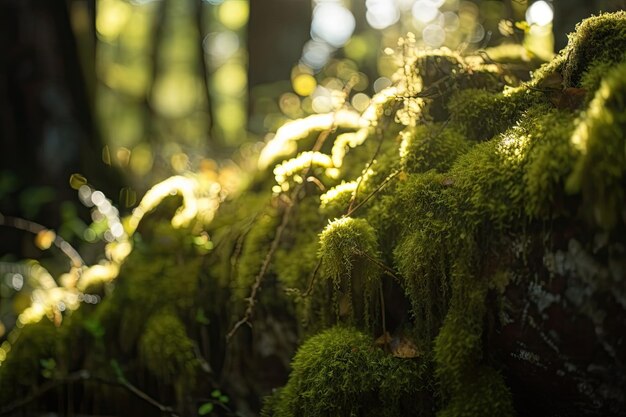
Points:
x=111, y=18
x=381, y=13
x=332, y=23
x=425, y=11
x=141, y=160
x=77, y=181
x=360, y=101
x=539, y=13
x=434, y=35
x=381, y=83
x=230, y=79
x=175, y=93
x=304, y=84
x=234, y=13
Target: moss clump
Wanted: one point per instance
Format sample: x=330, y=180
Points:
x=148, y=283
x=469, y=386
x=166, y=350
x=340, y=373
x=548, y=163
x=427, y=147
x=597, y=39
x=600, y=139
x=349, y=256
x=436, y=75
x=479, y=115
x=420, y=254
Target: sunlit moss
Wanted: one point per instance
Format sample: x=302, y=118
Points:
x=300, y=164
x=596, y=39
x=476, y=166
x=549, y=162
x=349, y=255
x=284, y=142
x=428, y=147
x=599, y=137
x=336, y=201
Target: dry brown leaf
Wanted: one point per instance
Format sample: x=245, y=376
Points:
x=401, y=347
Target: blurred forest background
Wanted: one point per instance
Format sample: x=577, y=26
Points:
x=125, y=93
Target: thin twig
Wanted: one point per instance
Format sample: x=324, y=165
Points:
x=234, y=258
x=381, y=265
x=84, y=375
x=370, y=195
x=382, y=310
x=36, y=228
x=309, y=288
x=264, y=267
x=367, y=167
x=321, y=138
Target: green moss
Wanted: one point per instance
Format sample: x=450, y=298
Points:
x=469, y=386
x=349, y=254
x=299, y=241
x=600, y=169
x=548, y=162
x=420, y=254
x=549, y=74
x=148, y=283
x=335, y=202
x=427, y=147
x=592, y=79
x=166, y=350
x=440, y=73
x=596, y=39
x=340, y=373
x=479, y=115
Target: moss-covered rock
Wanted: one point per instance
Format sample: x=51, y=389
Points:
x=449, y=205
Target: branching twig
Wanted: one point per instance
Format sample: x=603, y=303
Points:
x=373, y=193
x=264, y=267
x=84, y=375
x=281, y=228
x=309, y=288
x=381, y=265
x=367, y=167
x=36, y=228
x=140, y=394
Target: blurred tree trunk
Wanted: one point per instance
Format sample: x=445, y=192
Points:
x=46, y=126
x=277, y=31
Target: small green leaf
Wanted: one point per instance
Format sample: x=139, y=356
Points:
x=117, y=369
x=223, y=399
x=201, y=317
x=216, y=393
x=205, y=409
x=48, y=363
